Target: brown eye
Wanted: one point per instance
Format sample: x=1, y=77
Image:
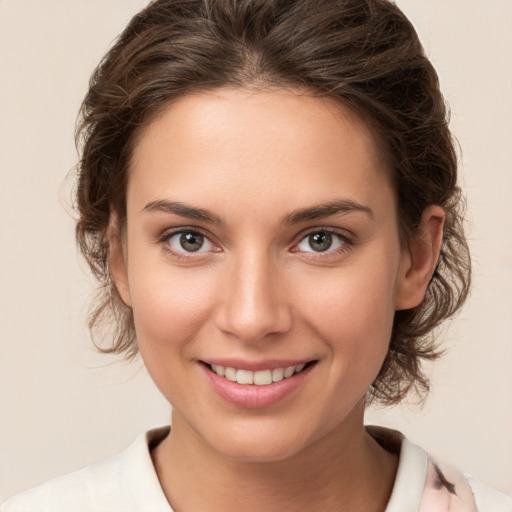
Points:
x=320, y=242
x=191, y=242
x=188, y=241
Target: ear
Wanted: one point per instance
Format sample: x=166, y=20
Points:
x=419, y=259
x=117, y=259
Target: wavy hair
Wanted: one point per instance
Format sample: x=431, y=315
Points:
x=363, y=53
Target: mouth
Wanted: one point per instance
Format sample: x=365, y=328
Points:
x=256, y=385
x=264, y=377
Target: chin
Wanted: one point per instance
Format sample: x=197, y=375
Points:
x=262, y=440
x=258, y=449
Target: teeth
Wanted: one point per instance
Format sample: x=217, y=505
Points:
x=244, y=377
x=277, y=374
x=288, y=372
x=259, y=378
x=229, y=373
x=263, y=378
x=219, y=370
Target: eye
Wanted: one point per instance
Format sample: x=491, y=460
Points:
x=322, y=241
x=189, y=241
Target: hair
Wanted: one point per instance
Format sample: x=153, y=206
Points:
x=364, y=54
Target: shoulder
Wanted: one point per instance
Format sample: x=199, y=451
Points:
x=87, y=489
x=446, y=484
x=488, y=499
x=427, y=485
x=113, y=485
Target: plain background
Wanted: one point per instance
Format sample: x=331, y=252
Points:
x=62, y=406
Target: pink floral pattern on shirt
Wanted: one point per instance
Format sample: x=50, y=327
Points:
x=446, y=491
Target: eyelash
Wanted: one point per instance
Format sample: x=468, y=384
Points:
x=346, y=242
x=168, y=235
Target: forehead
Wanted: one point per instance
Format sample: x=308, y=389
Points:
x=231, y=145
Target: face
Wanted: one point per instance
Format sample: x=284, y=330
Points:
x=263, y=265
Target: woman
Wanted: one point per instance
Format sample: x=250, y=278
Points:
x=268, y=194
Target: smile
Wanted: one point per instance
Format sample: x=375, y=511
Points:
x=256, y=385
x=257, y=378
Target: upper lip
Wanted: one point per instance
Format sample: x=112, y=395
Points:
x=254, y=366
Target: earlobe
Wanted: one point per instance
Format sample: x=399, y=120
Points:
x=419, y=263
x=117, y=260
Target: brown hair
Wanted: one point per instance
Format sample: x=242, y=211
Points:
x=363, y=53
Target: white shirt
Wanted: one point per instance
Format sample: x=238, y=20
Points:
x=128, y=482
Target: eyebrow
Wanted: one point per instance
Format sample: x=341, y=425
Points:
x=183, y=210
x=326, y=210
x=304, y=214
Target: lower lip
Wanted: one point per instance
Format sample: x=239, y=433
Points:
x=252, y=396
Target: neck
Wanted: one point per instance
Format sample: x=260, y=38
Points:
x=345, y=470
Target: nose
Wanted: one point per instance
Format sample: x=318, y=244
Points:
x=254, y=304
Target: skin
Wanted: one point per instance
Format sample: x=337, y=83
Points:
x=257, y=290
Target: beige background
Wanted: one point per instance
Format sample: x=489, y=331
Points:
x=62, y=406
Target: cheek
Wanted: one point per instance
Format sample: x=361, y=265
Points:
x=170, y=308
x=353, y=312
x=170, y=305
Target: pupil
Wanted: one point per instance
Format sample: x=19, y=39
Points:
x=191, y=242
x=320, y=241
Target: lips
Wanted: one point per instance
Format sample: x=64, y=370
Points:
x=263, y=385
